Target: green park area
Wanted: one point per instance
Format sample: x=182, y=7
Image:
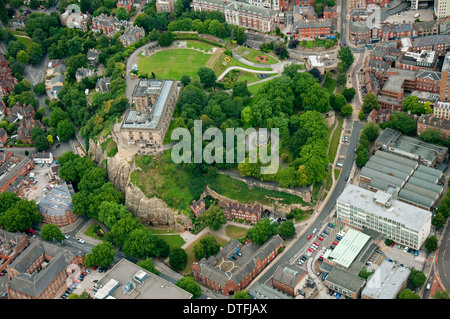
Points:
x=173, y=63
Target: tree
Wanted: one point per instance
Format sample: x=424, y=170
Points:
x=242, y=294
x=121, y=230
x=430, y=135
x=361, y=115
x=362, y=157
x=431, y=243
x=240, y=89
x=190, y=285
x=214, y=217
x=407, y=294
x=148, y=264
x=337, y=101
x=441, y=295
x=347, y=110
x=349, y=94
x=166, y=39
x=178, y=258
x=371, y=131
x=185, y=80
x=139, y=244
x=240, y=36
x=402, y=122
x=19, y=215
x=207, y=77
x=65, y=130
x=50, y=232
x=207, y=246
x=39, y=88
x=411, y=104
x=416, y=278
x=23, y=57
x=121, y=14
x=370, y=102
x=438, y=220
x=262, y=231
x=101, y=255
x=41, y=142
x=92, y=180
x=110, y=212
x=287, y=229
x=346, y=57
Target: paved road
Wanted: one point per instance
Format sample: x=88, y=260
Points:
x=443, y=260
x=326, y=212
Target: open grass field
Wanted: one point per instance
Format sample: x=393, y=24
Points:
x=199, y=45
x=254, y=88
x=173, y=63
x=235, y=232
x=334, y=142
x=249, y=77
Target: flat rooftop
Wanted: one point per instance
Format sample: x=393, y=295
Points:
x=348, y=248
x=152, y=287
x=405, y=214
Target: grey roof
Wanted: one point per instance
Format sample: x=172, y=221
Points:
x=246, y=263
x=240, y=6
x=415, y=198
x=314, y=23
x=288, y=274
x=394, y=82
x=431, y=40
x=58, y=78
x=373, y=174
x=59, y=69
x=34, y=284
x=133, y=119
x=262, y=291
x=93, y=53
x=427, y=74
x=386, y=282
x=57, y=201
x=345, y=279
x=427, y=25
x=387, y=135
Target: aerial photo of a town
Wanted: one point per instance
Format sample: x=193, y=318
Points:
x=228, y=151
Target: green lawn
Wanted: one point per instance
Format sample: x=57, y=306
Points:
x=249, y=77
x=254, y=88
x=251, y=54
x=174, y=241
x=199, y=45
x=222, y=64
x=334, y=143
x=329, y=85
x=173, y=63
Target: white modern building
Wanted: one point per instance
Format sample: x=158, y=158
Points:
x=386, y=282
x=442, y=8
x=43, y=158
x=382, y=212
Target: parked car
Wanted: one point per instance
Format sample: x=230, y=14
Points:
x=309, y=237
x=320, y=238
x=338, y=237
x=316, y=243
x=311, y=250
x=335, y=242
x=326, y=232
x=81, y=241
x=314, y=230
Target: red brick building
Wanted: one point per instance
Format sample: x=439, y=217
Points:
x=127, y=4
x=9, y=173
x=236, y=265
x=43, y=271
x=198, y=207
x=109, y=24
x=3, y=137
x=248, y=212
x=7, y=80
x=56, y=206
x=12, y=244
x=429, y=122
x=314, y=28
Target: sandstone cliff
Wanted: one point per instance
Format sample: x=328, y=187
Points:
x=151, y=211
